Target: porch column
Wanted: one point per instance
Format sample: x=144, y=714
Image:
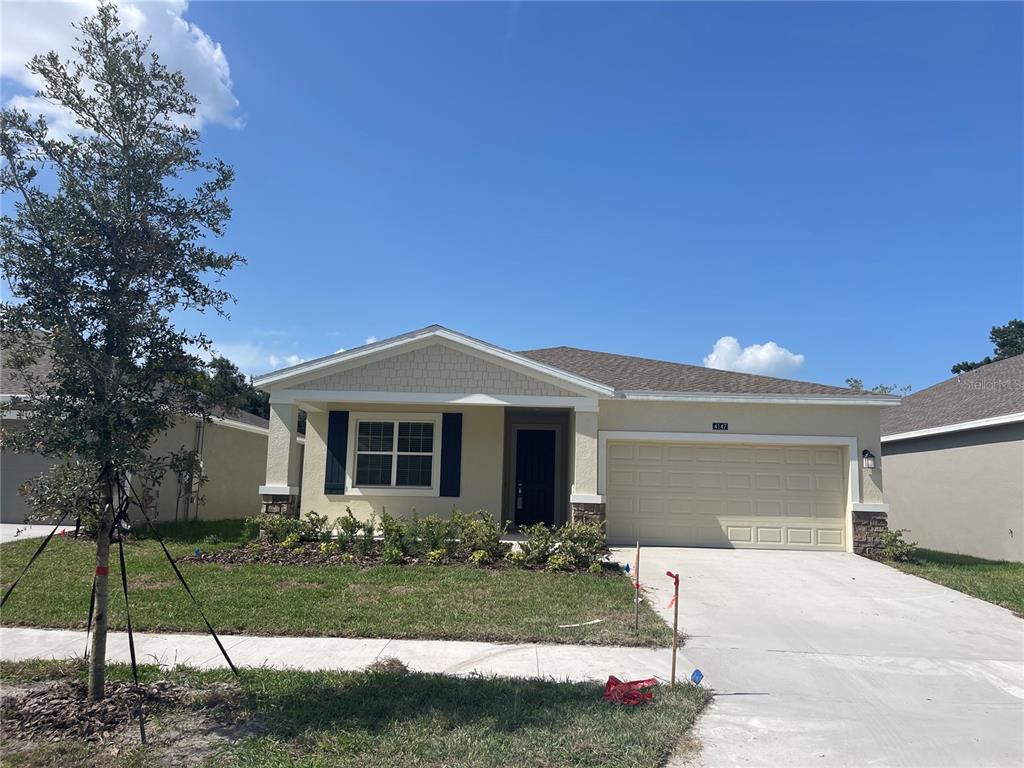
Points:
x=587, y=505
x=280, y=493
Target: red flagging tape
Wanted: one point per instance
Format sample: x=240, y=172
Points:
x=101, y=570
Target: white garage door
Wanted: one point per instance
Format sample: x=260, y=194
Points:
x=715, y=495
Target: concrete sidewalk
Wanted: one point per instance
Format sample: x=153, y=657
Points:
x=18, y=531
x=561, y=662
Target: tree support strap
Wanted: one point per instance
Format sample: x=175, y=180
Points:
x=131, y=641
x=188, y=591
x=33, y=559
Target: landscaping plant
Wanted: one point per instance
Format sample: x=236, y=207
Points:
x=896, y=548
x=106, y=241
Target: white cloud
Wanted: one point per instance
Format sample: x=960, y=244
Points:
x=253, y=359
x=339, y=350
x=371, y=340
x=767, y=359
x=31, y=28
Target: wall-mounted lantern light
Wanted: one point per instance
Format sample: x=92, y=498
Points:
x=868, y=459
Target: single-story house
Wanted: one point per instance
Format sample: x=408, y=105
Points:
x=666, y=453
x=232, y=448
x=954, y=463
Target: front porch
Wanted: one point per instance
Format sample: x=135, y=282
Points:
x=524, y=463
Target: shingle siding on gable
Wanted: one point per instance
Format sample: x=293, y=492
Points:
x=436, y=368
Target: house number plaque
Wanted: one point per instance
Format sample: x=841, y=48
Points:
x=720, y=426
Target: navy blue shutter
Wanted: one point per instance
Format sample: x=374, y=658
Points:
x=451, y=453
x=337, y=451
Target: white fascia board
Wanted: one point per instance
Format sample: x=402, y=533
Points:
x=589, y=404
x=992, y=421
x=720, y=397
x=220, y=420
x=343, y=360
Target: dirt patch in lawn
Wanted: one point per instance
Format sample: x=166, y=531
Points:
x=184, y=725
x=296, y=584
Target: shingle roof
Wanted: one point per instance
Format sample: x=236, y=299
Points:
x=624, y=372
x=996, y=389
x=12, y=383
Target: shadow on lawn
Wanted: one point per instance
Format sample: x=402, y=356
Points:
x=298, y=702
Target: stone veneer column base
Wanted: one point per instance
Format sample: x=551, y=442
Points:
x=868, y=528
x=280, y=504
x=587, y=513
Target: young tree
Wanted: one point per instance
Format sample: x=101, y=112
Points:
x=109, y=236
x=1008, y=341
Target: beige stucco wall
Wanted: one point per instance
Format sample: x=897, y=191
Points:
x=15, y=469
x=234, y=461
x=483, y=439
x=960, y=492
x=584, y=453
x=481, y=479
x=434, y=368
x=861, y=422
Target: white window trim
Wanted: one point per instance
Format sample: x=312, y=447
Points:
x=376, y=490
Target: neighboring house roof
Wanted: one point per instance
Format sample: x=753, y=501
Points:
x=640, y=374
x=13, y=386
x=606, y=374
x=990, y=395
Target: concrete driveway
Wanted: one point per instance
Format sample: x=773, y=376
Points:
x=829, y=659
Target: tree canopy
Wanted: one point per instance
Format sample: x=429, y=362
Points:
x=1007, y=340
x=110, y=240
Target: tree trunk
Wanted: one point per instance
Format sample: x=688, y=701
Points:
x=98, y=656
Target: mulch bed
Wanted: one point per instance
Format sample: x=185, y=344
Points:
x=265, y=553
x=262, y=552
x=61, y=710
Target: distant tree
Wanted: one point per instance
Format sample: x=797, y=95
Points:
x=224, y=383
x=880, y=389
x=109, y=237
x=1008, y=341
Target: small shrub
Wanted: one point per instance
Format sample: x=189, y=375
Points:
x=348, y=529
x=329, y=548
x=291, y=541
x=539, y=544
x=516, y=558
x=557, y=562
x=273, y=528
x=250, y=529
x=365, y=538
x=895, y=547
x=479, y=557
x=391, y=555
x=438, y=533
x=395, y=534
x=314, y=527
x=480, y=531
x=582, y=544
x=437, y=556
x=595, y=568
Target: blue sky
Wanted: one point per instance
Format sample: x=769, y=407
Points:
x=844, y=180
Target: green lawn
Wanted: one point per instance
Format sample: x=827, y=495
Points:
x=383, y=720
x=997, y=581
x=447, y=602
